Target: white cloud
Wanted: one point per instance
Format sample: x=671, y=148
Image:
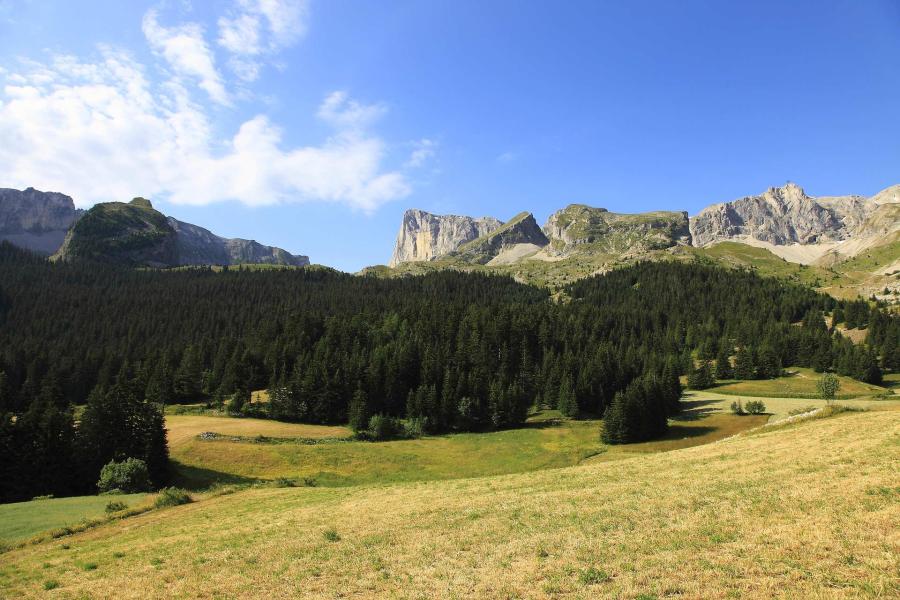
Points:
x=339, y=110
x=423, y=151
x=102, y=131
x=186, y=51
x=254, y=29
x=507, y=157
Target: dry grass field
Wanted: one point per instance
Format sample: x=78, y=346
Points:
x=804, y=511
x=546, y=441
x=799, y=383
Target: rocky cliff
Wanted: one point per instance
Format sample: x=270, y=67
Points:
x=199, y=246
x=425, y=236
x=36, y=220
x=782, y=216
x=579, y=227
x=515, y=239
x=136, y=234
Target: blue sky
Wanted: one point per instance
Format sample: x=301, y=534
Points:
x=313, y=125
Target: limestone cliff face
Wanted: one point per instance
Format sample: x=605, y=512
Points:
x=584, y=228
x=425, y=236
x=783, y=216
x=36, y=220
x=199, y=246
x=521, y=230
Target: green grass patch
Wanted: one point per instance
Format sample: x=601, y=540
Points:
x=801, y=383
x=22, y=520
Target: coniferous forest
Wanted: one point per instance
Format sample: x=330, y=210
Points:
x=449, y=351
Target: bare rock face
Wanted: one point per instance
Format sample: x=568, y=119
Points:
x=199, y=246
x=783, y=216
x=521, y=230
x=425, y=236
x=36, y=220
x=579, y=227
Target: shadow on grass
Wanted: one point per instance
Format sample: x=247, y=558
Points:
x=694, y=410
x=196, y=478
x=678, y=431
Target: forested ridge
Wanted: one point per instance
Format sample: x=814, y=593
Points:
x=448, y=351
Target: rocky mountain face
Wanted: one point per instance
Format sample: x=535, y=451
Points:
x=199, y=246
x=36, y=220
x=425, y=236
x=136, y=234
x=519, y=236
x=784, y=216
x=581, y=227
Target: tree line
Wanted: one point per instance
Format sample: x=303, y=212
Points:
x=451, y=351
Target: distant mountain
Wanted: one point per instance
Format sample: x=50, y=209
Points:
x=36, y=220
x=129, y=233
x=801, y=228
x=851, y=243
x=426, y=236
x=136, y=234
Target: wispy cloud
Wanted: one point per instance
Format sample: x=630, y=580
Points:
x=507, y=157
x=423, y=151
x=186, y=51
x=253, y=30
x=103, y=131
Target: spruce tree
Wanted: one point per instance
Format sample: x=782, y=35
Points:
x=723, y=363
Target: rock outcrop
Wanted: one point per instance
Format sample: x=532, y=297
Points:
x=520, y=231
x=36, y=220
x=136, y=234
x=782, y=216
x=425, y=236
x=580, y=227
x=199, y=246
x=133, y=234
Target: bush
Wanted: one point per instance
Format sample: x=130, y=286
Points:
x=413, y=428
x=130, y=476
x=756, y=407
x=115, y=506
x=172, y=496
x=737, y=408
x=383, y=428
x=331, y=535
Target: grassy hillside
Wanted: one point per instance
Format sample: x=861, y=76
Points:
x=800, y=383
x=291, y=452
x=21, y=520
x=804, y=511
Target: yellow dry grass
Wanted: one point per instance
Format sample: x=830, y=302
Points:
x=183, y=428
x=807, y=511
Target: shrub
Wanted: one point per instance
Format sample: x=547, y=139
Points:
x=284, y=482
x=737, y=408
x=51, y=584
x=331, y=535
x=756, y=407
x=310, y=482
x=130, y=475
x=115, y=506
x=383, y=428
x=413, y=428
x=172, y=496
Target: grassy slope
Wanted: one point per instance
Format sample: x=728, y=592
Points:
x=805, y=511
x=22, y=520
x=800, y=384
x=539, y=445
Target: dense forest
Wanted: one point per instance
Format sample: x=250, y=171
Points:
x=446, y=351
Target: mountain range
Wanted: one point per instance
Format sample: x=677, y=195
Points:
x=132, y=233
x=844, y=245
x=831, y=241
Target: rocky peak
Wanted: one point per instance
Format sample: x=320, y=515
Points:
x=426, y=236
x=36, y=220
x=522, y=231
x=579, y=226
x=781, y=216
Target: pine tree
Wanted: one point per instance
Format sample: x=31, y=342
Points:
x=743, y=364
x=567, y=403
x=359, y=410
x=723, y=363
